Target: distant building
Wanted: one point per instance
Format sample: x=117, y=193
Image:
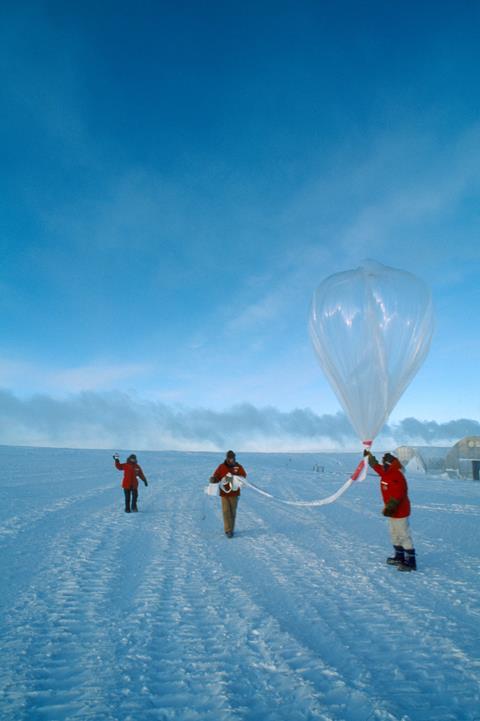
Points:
x=411, y=459
x=459, y=461
x=463, y=460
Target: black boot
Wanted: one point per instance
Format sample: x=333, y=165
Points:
x=398, y=558
x=410, y=562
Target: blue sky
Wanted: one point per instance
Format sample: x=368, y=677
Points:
x=178, y=177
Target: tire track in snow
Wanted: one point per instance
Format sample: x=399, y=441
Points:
x=17, y=524
x=57, y=639
x=321, y=681
x=305, y=575
x=142, y=617
x=155, y=681
x=223, y=661
x=279, y=570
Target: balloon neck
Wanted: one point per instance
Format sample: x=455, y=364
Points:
x=362, y=466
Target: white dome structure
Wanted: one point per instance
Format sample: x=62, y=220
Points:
x=411, y=459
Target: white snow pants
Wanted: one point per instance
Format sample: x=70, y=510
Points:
x=400, y=533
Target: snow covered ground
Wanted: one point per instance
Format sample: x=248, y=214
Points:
x=108, y=616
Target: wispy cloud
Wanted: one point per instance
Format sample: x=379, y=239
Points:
x=95, y=376
x=116, y=420
x=383, y=205
x=426, y=432
x=398, y=187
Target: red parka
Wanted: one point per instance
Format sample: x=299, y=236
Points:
x=393, y=486
x=131, y=473
x=235, y=469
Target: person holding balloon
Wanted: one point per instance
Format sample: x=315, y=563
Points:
x=371, y=328
x=394, y=489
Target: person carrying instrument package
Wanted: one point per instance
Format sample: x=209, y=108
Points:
x=229, y=489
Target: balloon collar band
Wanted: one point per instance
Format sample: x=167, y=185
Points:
x=367, y=443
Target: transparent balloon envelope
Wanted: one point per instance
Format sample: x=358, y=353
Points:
x=371, y=328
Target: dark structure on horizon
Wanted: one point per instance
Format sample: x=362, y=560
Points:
x=463, y=460
x=459, y=461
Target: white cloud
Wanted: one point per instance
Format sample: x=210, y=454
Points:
x=95, y=376
x=116, y=420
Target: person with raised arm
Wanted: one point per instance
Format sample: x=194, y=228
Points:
x=131, y=473
x=394, y=489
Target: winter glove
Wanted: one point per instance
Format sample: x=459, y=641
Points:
x=212, y=479
x=366, y=452
x=115, y=457
x=391, y=507
x=145, y=481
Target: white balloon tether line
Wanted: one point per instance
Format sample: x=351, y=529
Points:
x=359, y=475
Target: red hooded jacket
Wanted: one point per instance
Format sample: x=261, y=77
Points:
x=131, y=473
x=394, y=486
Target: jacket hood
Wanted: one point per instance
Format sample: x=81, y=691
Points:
x=395, y=464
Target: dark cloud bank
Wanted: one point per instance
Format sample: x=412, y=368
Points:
x=116, y=420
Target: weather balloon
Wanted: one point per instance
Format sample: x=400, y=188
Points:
x=371, y=328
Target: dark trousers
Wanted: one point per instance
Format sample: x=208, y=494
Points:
x=131, y=494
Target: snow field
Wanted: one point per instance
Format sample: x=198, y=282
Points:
x=109, y=616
